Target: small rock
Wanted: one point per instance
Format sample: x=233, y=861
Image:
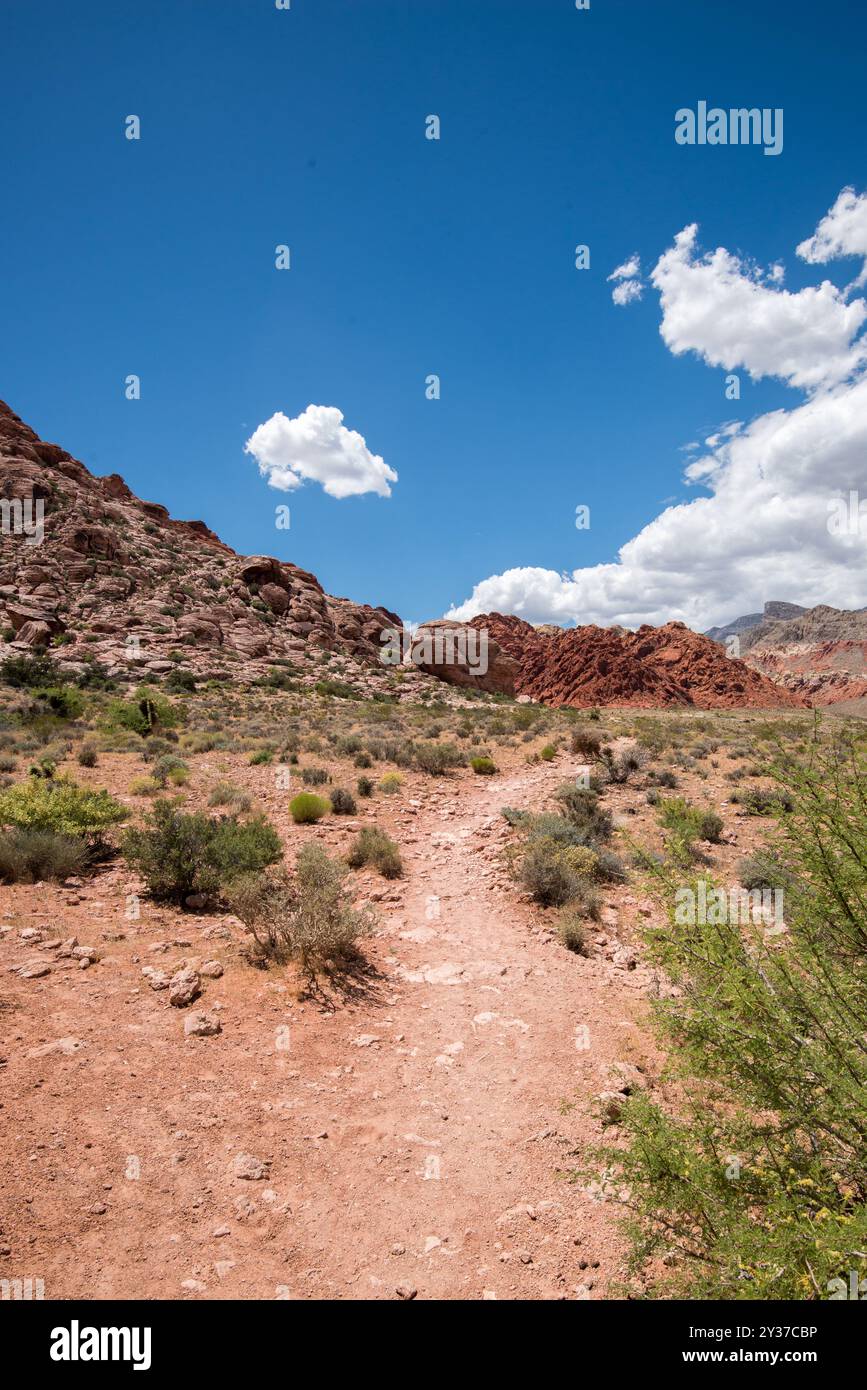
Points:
x=211, y=969
x=252, y=1169
x=202, y=1025
x=184, y=987
x=406, y=1291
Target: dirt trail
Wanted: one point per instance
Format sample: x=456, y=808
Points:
x=417, y=1138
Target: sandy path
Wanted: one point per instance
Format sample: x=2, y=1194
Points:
x=416, y=1138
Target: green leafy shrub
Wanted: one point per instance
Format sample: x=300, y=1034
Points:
x=29, y=856
x=391, y=783
x=685, y=824
x=437, y=758
x=373, y=846
x=145, y=713
x=61, y=806
x=144, y=786
x=340, y=690
x=63, y=700
x=307, y=807
x=548, y=753
x=483, y=767
x=261, y=755
x=26, y=672
x=756, y=1185
x=179, y=854
x=170, y=768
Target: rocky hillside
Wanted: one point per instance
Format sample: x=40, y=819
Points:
x=117, y=580
x=662, y=666
x=821, y=653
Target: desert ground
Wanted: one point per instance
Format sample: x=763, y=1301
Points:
x=411, y=1125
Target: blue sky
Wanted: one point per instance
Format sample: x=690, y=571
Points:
x=409, y=257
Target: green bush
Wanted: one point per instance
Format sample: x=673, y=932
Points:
x=391, y=783
x=484, y=767
x=364, y=786
x=764, y=801
x=179, y=854
x=340, y=690
x=145, y=713
x=25, y=672
x=227, y=794
x=546, y=874
x=437, y=758
x=167, y=768
x=60, y=805
x=686, y=824
x=373, y=846
x=63, y=700
x=28, y=856
x=261, y=755
x=307, y=807
x=755, y=1186
x=572, y=927
x=548, y=753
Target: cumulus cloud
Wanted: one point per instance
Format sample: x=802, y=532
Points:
x=763, y=531
x=721, y=307
x=316, y=446
x=841, y=232
x=629, y=285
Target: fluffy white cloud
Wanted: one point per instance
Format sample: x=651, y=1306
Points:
x=763, y=532
x=722, y=308
x=317, y=446
x=629, y=285
x=841, y=232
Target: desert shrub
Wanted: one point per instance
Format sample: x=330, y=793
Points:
x=762, y=870
x=590, y=822
x=25, y=672
x=545, y=873
x=764, y=801
x=169, y=768
x=390, y=783
x=28, y=856
x=609, y=866
x=348, y=745
x=572, y=922
x=343, y=802
x=314, y=776
x=662, y=778
x=514, y=817
x=145, y=713
x=685, y=824
x=179, y=854
x=144, y=786
x=87, y=755
x=483, y=767
x=373, y=846
x=307, y=807
x=228, y=794
x=363, y=760
x=587, y=742
x=437, y=758
x=8, y=763
x=260, y=756
x=547, y=753
x=364, y=786
x=619, y=767
x=340, y=690
x=180, y=682
x=63, y=700
x=308, y=918
x=60, y=805
x=756, y=1184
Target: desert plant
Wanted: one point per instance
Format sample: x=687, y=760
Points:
x=364, y=786
x=145, y=713
x=28, y=856
x=179, y=854
x=547, y=753
x=390, y=783
x=314, y=776
x=307, y=807
x=484, y=767
x=437, y=758
x=87, y=755
x=373, y=846
x=60, y=805
x=343, y=802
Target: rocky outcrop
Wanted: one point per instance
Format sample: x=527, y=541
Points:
x=463, y=654
x=650, y=668
x=125, y=584
x=819, y=653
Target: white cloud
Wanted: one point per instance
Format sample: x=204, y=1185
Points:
x=841, y=232
x=627, y=291
x=762, y=532
x=629, y=284
x=317, y=446
x=719, y=306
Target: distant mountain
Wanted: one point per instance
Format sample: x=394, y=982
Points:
x=820, y=653
x=774, y=609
